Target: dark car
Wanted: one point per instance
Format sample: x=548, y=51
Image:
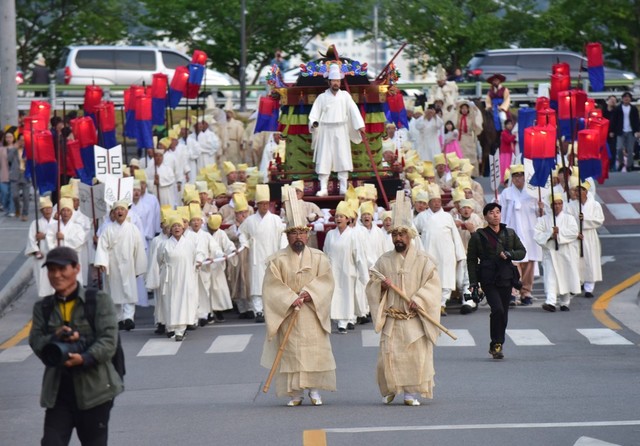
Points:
x=531, y=64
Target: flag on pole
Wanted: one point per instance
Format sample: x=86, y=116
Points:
x=178, y=86
x=85, y=132
x=106, y=116
x=395, y=111
x=45, y=161
x=143, y=122
x=196, y=74
x=595, y=66
x=268, y=111
x=526, y=118
x=589, y=163
x=540, y=147
x=159, y=86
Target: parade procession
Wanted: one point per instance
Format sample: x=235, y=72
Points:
x=341, y=210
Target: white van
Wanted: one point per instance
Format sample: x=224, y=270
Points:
x=125, y=65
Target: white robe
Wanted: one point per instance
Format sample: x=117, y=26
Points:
x=152, y=278
x=167, y=187
x=209, y=148
x=220, y=294
x=209, y=250
x=347, y=266
x=39, y=273
x=264, y=237
x=561, y=271
x=179, y=281
x=441, y=240
x=194, y=150
x=427, y=133
x=593, y=218
x=339, y=119
x=75, y=236
x=371, y=245
x=87, y=250
x=519, y=212
x=121, y=251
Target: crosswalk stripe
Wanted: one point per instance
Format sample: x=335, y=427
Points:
x=229, y=343
x=160, y=347
x=370, y=338
x=16, y=354
x=464, y=340
x=528, y=337
x=603, y=336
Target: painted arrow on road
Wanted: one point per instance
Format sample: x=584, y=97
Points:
x=588, y=441
x=607, y=259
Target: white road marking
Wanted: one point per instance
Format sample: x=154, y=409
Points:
x=370, y=338
x=588, y=441
x=630, y=195
x=230, y=343
x=528, y=337
x=464, y=339
x=603, y=336
x=16, y=354
x=451, y=427
x=160, y=347
x=623, y=211
x=619, y=235
x=607, y=259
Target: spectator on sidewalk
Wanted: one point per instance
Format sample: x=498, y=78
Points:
x=626, y=127
x=20, y=187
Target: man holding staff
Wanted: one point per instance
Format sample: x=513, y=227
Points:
x=406, y=323
x=297, y=290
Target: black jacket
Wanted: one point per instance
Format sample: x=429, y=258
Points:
x=484, y=262
x=618, y=118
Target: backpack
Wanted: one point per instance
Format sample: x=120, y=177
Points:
x=90, y=313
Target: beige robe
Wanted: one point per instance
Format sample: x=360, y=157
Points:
x=405, y=359
x=307, y=361
x=235, y=134
x=469, y=139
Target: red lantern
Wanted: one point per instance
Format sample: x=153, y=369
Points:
x=542, y=103
x=92, y=97
x=41, y=109
x=106, y=112
x=588, y=144
x=44, y=149
x=546, y=116
x=601, y=125
x=559, y=82
x=32, y=124
x=589, y=106
x=561, y=68
x=199, y=57
x=74, y=160
x=595, y=113
x=130, y=96
x=594, y=55
x=84, y=131
x=159, y=85
x=143, y=108
x=540, y=142
x=571, y=104
x=180, y=79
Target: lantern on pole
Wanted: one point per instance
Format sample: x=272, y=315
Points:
x=159, y=85
x=542, y=103
x=547, y=116
x=92, y=97
x=540, y=145
x=178, y=86
x=589, y=163
x=199, y=57
x=41, y=109
x=559, y=82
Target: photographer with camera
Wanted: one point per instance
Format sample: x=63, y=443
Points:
x=489, y=262
x=74, y=333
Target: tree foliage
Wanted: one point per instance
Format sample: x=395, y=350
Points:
x=47, y=26
x=213, y=26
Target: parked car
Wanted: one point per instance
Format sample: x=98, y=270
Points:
x=531, y=64
x=125, y=65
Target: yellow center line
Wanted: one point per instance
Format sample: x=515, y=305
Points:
x=600, y=306
x=314, y=438
x=16, y=338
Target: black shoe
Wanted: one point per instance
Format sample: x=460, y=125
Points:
x=465, y=309
x=526, y=301
x=160, y=329
x=588, y=295
x=192, y=327
x=243, y=315
x=549, y=307
x=342, y=330
x=564, y=308
x=120, y=325
x=211, y=318
x=180, y=338
x=512, y=302
x=129, y=324
x=259, y=317
x=202, y=322
x=219, y=316
x=350, y=326
x=170, y=334
x=496, y=351
x=250, y=315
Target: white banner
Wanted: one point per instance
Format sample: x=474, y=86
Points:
x=494, y=170
x=108, y=162
x=116, y=189
x=92, y=202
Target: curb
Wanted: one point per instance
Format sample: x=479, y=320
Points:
x=16, y=286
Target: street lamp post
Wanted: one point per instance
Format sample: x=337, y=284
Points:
x=243, y=56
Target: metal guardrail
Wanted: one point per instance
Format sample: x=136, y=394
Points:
x=71, y=95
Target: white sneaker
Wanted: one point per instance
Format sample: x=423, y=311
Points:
x=322, y=193
x=387, y=399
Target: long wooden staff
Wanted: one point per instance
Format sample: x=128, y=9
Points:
x=293, y=318
x=421, y=310
x=94, y=221
x=553, y=213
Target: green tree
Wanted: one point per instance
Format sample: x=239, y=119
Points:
x=213, y=26
x=47, y=26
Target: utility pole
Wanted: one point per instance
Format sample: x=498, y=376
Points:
x=243, y=56
x=8, y=88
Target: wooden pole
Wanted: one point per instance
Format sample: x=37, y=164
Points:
x=293, y=317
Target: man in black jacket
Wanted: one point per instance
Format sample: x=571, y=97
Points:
x=626, y=128
x=489, y=257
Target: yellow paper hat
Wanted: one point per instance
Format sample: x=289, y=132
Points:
x=427, y=169
x=585, y=185
x=438, y=159
x=173, y=133
x=353, y=205
x=213, y=175
x=298, y=185
x=371, y=193
x=134, y=162
x=174, y=219
x=412, y=176
x=344, y=209
x=228, y=167
x=45, y=202
x=190, y=197
x=166, y=142
x=165, y=211
x=66, y=191
x=120, y=204
x=516, y=168
x=421, y=195
x=240, y=202
x=555, y=197
x=188, y=188
x=217, y=189
x=467, y=203
x=454, y=161
x=434, y=191
x=418, y=109
x=361, y=192
x=573, y=182
x=262, y=193
x=385, y=215
x=136, y=184
x=507, y=175
x=214, y=221
x=457, y=194
x=466, y=168
x=366, y=208
x=351, y=193
x=201, y=186
x=195, y=211
x=464, y=184
x=238, y=187
x=183, y=211
x=140, y=175
x=242, y=167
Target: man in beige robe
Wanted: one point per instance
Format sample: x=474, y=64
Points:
x=298, y=285
x=405, y=359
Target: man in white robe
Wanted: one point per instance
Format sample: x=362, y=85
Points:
x=66, y=231
x=164, y=179
x=593, y=218
x=219, y=290
x=428, y=130
x=149, y=208
x=262, y=234
x=209, y=144
x=520, y=212
x=121, y=257
x=334, y=121
x=561, y=266
x=38, y=247
x=441, y=240
x=152, y=278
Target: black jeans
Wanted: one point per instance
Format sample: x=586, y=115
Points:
x=92, y=425
x=498, y=298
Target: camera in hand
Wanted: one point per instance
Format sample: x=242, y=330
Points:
x=477, y=295
x=55, y=353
